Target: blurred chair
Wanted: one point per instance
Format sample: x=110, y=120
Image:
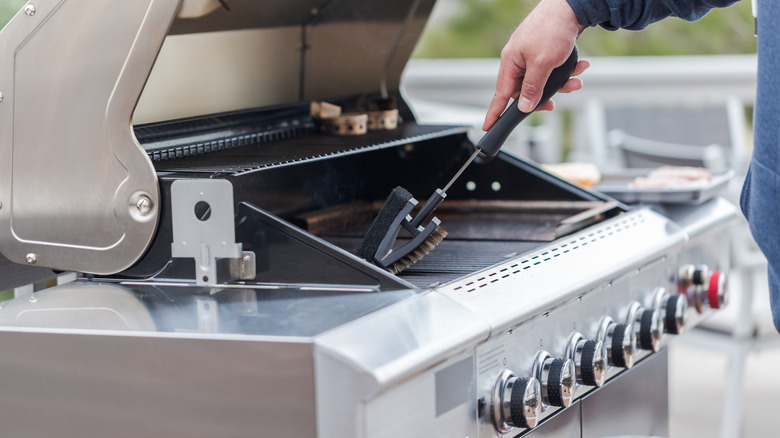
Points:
x=649, y=135
x=637, y=152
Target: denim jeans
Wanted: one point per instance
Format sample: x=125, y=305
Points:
x=760, y=200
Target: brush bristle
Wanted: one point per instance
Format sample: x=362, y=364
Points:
x=422, y=250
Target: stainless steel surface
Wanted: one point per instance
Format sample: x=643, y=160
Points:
x=590, y=258
x=380, y=373
x=368, y=369
x=633, y=404
x=78, y=383
x=244, y=268
x=282, y=356
x=206, y=237
x=70, y=122
x=565, y=424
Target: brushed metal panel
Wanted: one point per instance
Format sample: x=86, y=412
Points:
x=357, y=45
x=633, y=404
x=389, y=349
x=72, y=168
x=564, y=424
x=77, y=385
x=198, y=74
x=526, y=285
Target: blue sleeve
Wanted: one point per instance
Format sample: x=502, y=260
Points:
x=637, y=14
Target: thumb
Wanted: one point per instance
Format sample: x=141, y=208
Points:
x=532, y=87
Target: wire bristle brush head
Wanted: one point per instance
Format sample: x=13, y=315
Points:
x=425, y=248
x=377, y=246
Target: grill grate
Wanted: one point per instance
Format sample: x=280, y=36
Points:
x=285, y=151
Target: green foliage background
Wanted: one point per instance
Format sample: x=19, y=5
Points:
x=8, y=8
x=482, y=27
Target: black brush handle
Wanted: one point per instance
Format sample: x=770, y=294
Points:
x=495, y=137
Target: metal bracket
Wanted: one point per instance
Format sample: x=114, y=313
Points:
x=203, y=225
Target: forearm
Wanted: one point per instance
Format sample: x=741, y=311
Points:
x=638, y=14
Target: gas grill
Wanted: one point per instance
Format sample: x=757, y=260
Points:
x=220, y=291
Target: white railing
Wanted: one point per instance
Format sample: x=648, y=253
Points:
x=471, y=82
x=459, y=91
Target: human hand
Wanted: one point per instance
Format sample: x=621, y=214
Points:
x=542, y=42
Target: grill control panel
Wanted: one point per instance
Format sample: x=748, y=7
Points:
x=523, y=377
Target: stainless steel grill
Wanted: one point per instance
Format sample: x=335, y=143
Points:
x=220, y=292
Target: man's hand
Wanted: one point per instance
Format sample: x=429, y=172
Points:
x=541, y=43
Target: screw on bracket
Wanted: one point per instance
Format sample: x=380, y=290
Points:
x=144, y=205
x=29, y=10
x=31, y=258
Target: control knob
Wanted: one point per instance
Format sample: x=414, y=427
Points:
x=557, y=378
x=590, y=359
x=717, y=290
x=673, y=310
x=517, y=402
x=620, y=340
x=648, y=326
x=703, y=287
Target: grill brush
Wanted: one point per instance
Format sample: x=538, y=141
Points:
x=379, y=245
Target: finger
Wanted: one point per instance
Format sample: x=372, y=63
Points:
x=581, y=66
x=532, y=87
x=497, y=106
x=506, y=86
x=572, y=84
x=547, y=106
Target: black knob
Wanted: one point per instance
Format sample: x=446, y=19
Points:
x=622, y=345
x=517, y=402
x=649, y=329
x=675, y=314
x=525, y=404
x=557, y=377
x=592, y=363
x=701, y=275
x=554, y=388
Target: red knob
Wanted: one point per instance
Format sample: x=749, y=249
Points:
x=716, y=291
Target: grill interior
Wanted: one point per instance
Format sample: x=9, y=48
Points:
x=316, y=187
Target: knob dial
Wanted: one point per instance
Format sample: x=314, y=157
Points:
x=590, y=360
x=620, y=340
x=674, y=312
x=517, y=402
x=557, y=378
x=701, y=274
x=648, y=325
x=717, y=290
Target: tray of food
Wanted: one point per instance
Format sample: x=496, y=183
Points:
x=664, y=185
